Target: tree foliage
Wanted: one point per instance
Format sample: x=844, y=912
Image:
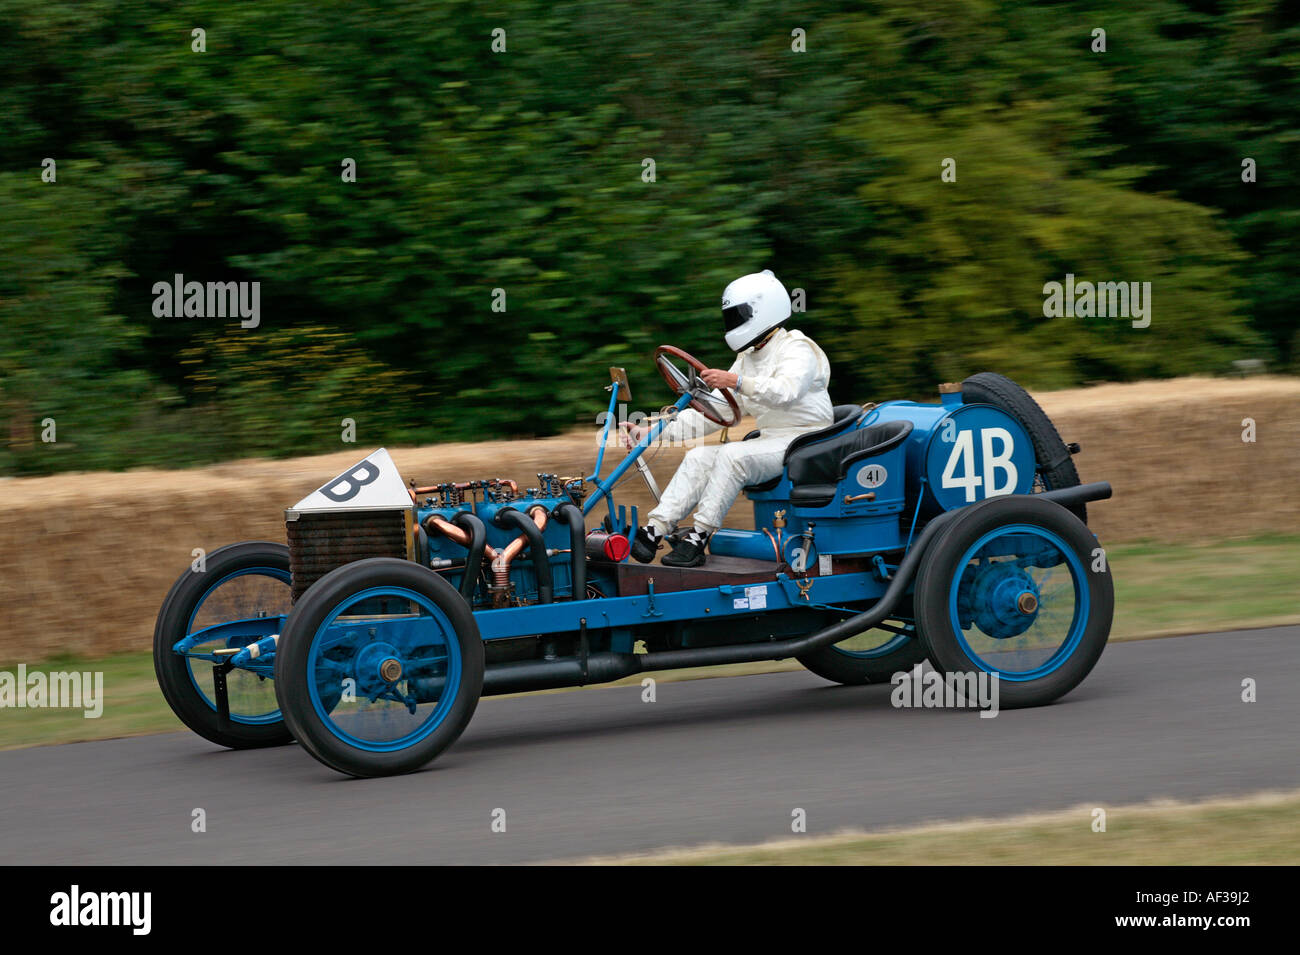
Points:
x=522, y=171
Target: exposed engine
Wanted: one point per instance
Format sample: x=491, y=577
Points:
x=500, y=546
x=477, y=533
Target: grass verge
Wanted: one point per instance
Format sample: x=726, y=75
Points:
x=1256, y=830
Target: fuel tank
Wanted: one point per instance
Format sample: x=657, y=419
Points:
x=959, y=453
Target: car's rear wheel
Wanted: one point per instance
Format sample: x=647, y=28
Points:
x=1016, y=588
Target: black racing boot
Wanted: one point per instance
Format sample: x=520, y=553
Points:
x=689, y=550
x=645, y=544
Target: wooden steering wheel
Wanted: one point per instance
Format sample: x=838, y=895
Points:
x=718, y=406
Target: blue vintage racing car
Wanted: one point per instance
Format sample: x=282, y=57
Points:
x=953, y=532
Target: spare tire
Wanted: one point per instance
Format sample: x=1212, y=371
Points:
x=1055, y=468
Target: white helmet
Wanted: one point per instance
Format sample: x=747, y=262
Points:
x=752, y=306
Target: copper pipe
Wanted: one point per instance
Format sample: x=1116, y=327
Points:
x=540, y=522
x=466, y=485
x=448, y=529
x=461, y=486
x=457, y=534
x=776, y=549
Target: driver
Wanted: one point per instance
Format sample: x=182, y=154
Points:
x=780, y=377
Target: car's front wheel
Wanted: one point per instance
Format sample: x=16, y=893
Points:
x=379, y=668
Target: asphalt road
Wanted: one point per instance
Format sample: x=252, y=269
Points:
x=717, y=760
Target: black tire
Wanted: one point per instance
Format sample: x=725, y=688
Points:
x=1051, y=458
x=939, y=566
x=173, y=670
x=292, y=677
x=840, y=666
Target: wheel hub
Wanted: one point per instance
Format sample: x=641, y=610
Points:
x=377, y=665
x=1000, y=598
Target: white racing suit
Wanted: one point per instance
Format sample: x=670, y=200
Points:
x=783, y=385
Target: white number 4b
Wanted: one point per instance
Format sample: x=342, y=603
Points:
x=963, y=455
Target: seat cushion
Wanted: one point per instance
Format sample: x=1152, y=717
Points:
x=764, y=485
x=841, y=417
x=826, y=462
x=813, y=495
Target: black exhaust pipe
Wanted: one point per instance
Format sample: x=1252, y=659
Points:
x=508, y=518
x=782, y=649
x=570, y=514
x=528, y=675
x=474, y=557
x=605, y=667
x=1079, y=494
x=525, y=675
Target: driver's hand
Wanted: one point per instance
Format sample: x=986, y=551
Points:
x=717, y=378
x=633, y=433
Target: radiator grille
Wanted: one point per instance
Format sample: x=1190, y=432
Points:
x=320, y=542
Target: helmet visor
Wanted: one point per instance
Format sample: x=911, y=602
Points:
x=737, y=315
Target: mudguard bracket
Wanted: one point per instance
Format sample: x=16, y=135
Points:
x=219, y=671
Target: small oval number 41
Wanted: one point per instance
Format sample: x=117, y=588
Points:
x=997, y=474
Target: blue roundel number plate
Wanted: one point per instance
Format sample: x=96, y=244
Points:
x=977, y=452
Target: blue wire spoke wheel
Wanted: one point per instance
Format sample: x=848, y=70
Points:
x=384, y=668
x=380, y=667
x=1020, y=603
x=1018, y=588
x=239, y=596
